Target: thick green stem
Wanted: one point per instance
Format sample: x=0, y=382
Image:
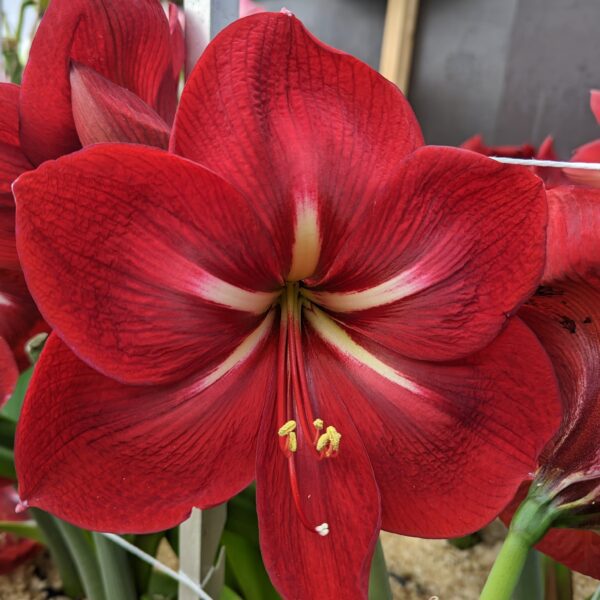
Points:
x=505, y=573
x=529, y=525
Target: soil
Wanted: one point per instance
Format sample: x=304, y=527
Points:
x=419, y=570
x=427, y=569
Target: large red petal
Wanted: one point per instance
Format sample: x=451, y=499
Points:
x=126, y=42
x=148, y=260
x=339, y=491
x=566, y=319
x=168, y=93
x=118, y=114
x=113, y=457
x=305, y=131
x=449, y=443
x=573, y=240
x=442, y=257
x=8, y=371
x=12, y=163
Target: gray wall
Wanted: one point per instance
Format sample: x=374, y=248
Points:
x=514, y=70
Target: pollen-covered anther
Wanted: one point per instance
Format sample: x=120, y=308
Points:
x=318, y=423
x=287, y=428
x=328, y=443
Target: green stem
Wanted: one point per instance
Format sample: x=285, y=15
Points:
x=529, y=525
x=60, y=553
x=505, y=573
x=85, y=558
x=379, y=580
x=115, y=569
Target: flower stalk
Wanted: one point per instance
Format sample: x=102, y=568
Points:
x=529, y=525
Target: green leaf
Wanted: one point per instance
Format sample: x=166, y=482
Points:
x=558, y=580
x=115, y=569
x=7, y=464
x=379, y=580
x=8, y=428
x=161, y=586
x=245, y=563
x=60, y=553
x=228, y=594
x=12, y=409
x=23, y=529
x=142, y=570
x=85, y=558
x=531, y=582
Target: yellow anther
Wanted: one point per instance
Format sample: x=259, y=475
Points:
x=287, y=428
x=334, y=438
x=322, y=442
x=330, y=438
x=318, y=423
x=292, y=442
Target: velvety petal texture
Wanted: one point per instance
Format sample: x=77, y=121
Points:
x=340, y=492
x=112, y=457
x=118, y=114
x=12, y=163
x=574, y=223
x=431, y=430
x=125, y=42
x=304, y=131
x=139, y=240
x=441, y=258
x=566, y=318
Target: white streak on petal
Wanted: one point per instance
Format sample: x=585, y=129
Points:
x=335, y=336
x=403, y=285
x=307, y=241
x=239, y=355
x=216, y=290
x=5, y=300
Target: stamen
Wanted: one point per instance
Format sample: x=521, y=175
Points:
x=292, y=442
x=318, y=423
x=329, y=442
x=287, y=428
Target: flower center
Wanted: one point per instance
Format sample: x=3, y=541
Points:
x=294, y=407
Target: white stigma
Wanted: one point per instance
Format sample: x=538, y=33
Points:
x=322, y=529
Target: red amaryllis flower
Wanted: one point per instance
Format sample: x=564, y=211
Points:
x=565, y=314
x=476, y=144
x=105, y=70
x=545, y=151
x=589, y=152
x=304, y=296
x=13, y=550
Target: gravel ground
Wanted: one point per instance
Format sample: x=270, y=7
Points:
x=422, y=569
